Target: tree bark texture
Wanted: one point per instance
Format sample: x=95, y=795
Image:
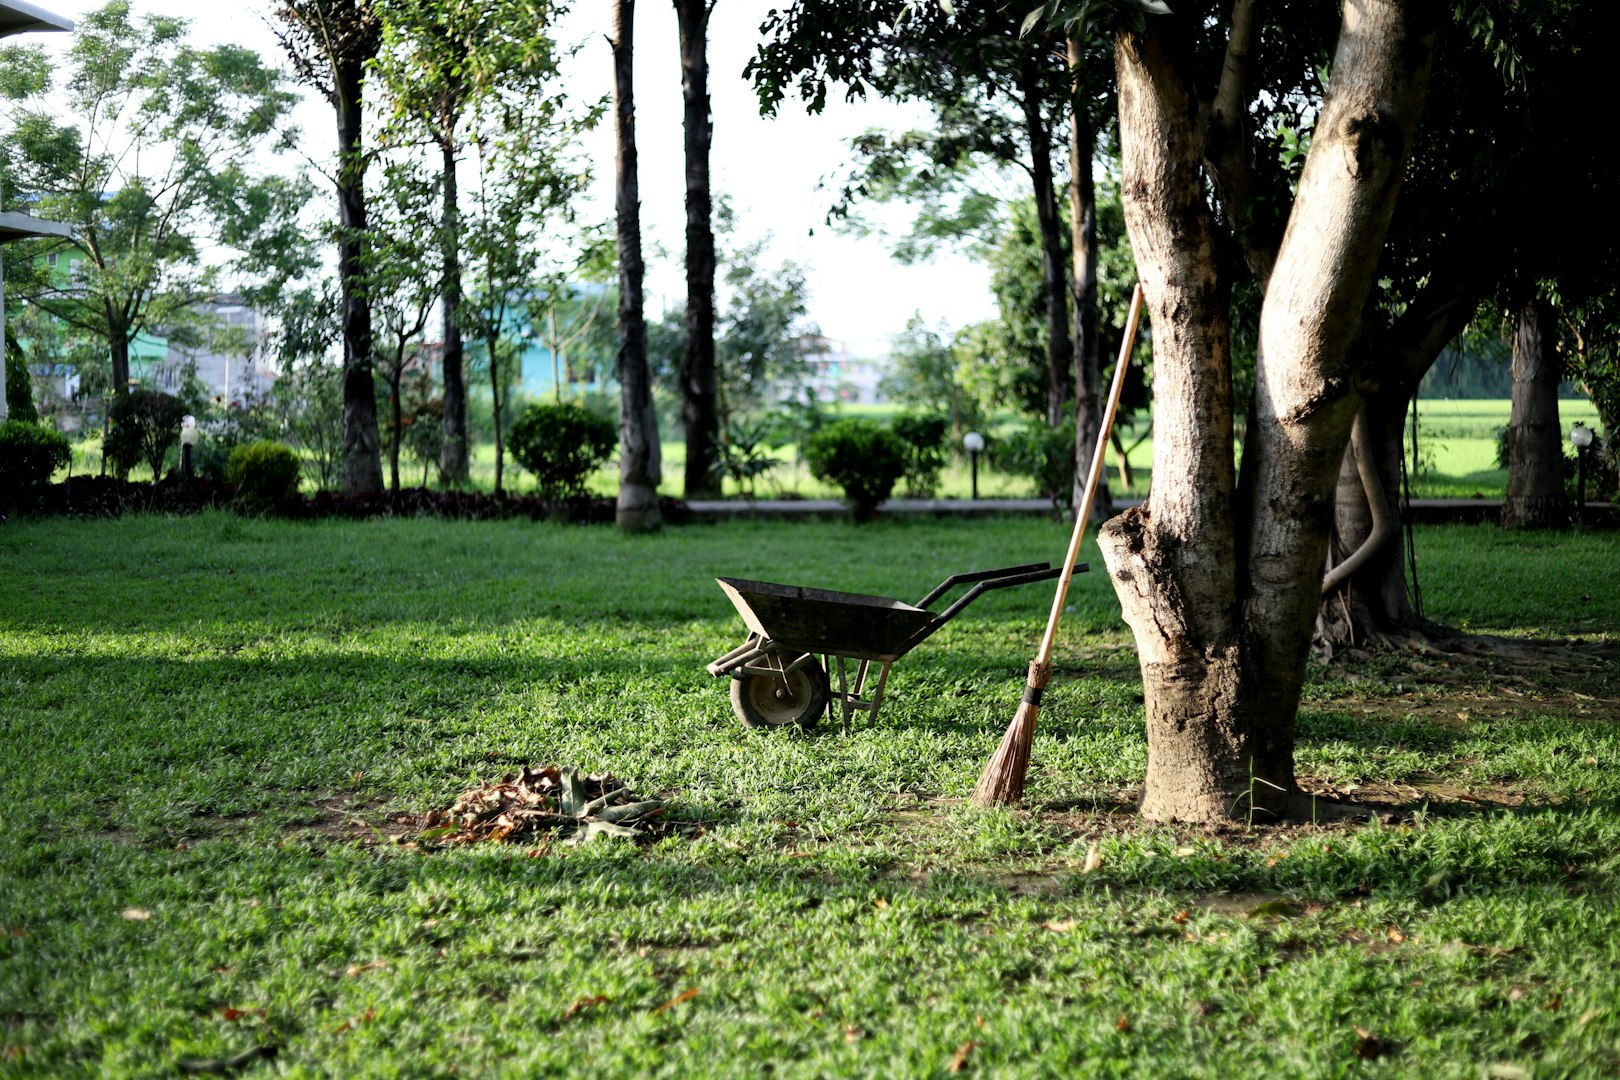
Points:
x=1220, y=582
x=1535, y=495
x=699, y=396
x=1059, y=349
x=119, y=346
x=1088, y=402
x=640, y=469
x=362, y=451
x=455, y=454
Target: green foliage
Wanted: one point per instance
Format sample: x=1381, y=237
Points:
x=143, y=426
x=561, y=444
x=265, y=474
x=744, y=453
x=151, y=146
x=923, y=436
x=1043, y=454
x=19, y=384
x=862, y=457
x=29, y=454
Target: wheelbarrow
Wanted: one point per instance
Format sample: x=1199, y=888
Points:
x=776, y=678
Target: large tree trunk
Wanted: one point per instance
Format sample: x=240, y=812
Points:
x=455, y=454
x=1220, y=587
x=1088, y=402
x=1535, y=495
x=699, y=399
x=640, y=468
x=1059, y=349
x=362, y=451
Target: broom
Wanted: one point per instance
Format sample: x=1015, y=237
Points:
x=1003, y=779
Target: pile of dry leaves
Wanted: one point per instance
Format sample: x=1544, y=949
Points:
x=550, y=802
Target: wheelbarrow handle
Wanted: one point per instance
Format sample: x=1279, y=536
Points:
x=1047, y=573
x=984, y=575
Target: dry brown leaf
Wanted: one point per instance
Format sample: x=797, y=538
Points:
x=959, y=1059
x=1179, y=918
x=584, y=1003
x=880, y=903
x=135, y=914
x=1093, y=861
x=1589, y=1015
x=853, y=1034
x=685, y=995
x=1394, y=935
x=356, y=970
x=1060, y=926
x=1123, y=1023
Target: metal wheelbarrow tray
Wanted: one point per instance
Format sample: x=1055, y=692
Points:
x=775, y=676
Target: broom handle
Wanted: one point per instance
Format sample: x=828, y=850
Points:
x=1083, y=511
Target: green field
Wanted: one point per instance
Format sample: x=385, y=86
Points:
x=212, y=727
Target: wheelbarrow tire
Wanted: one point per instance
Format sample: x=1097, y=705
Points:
x=762, y=702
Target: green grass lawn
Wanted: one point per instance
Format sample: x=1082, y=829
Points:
x=210, y=723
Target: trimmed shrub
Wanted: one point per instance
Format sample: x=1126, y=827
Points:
x=1043, y=454
x=29, y=454
x=561, y=444
x=265, y=474
x=862, y=457
x=143, y=425
x=924, y=437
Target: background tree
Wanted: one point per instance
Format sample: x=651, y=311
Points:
x=640, y=467
x=330, y=43
x=998, y=98
x=401, y=285
x=699, y=387
x=154, y=164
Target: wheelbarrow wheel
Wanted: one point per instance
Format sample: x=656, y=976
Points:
x=772, y=701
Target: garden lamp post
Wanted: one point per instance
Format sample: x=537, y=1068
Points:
x=1581, y=436
x=188, y=439
x=973, y=443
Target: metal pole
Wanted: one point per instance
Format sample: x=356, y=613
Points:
x=1580, y=484
x=973, y=458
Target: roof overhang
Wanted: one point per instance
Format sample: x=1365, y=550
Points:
x=15, y=225
x=20, y=17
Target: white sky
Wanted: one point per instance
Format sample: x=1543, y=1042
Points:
x=770, y=169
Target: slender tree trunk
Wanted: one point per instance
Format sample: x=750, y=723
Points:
x=1535, y=495
x=1365, y=596
x=699, y=405
x=119, y=343
x=1088, y=401
x=1221, y=589
x=1059, y=349
x=395, y=375
x=455, y=455
x=497, y=404
x=640, y=468
x=362, y=457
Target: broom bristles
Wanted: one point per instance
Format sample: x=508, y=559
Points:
x=1003, y=781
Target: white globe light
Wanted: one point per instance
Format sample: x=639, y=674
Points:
x=973, y=442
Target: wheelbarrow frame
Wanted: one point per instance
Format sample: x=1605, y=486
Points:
x=765, y=656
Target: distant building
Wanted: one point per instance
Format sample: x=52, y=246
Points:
x=231, y=361
x=834, y=374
